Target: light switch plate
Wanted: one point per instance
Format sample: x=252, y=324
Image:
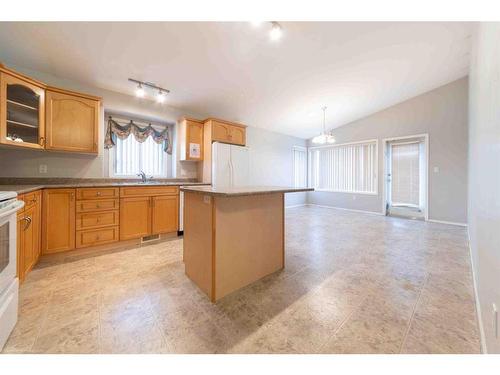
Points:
x=436, y=169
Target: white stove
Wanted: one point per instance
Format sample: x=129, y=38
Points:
x=9, y=284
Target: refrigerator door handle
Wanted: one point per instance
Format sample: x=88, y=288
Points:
x=231, y=172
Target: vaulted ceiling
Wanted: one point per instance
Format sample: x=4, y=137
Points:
x=233, y=71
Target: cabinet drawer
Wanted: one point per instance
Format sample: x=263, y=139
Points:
x=97, y=193
x=97, y=205
x=141, y=191
x=92, y=220
x=94, y=237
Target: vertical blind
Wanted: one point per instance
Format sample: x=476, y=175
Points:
x=348, y=168
x=405, y=174
x=299, y=167
x=131, y=157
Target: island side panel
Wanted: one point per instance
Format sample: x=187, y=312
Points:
x=249, y=240
x=198, y=238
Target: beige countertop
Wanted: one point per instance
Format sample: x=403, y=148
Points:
x=240, y=191
x=26, y=188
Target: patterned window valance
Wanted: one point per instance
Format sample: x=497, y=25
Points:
x=141, y=133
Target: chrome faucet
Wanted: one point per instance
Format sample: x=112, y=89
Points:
x=143, y=176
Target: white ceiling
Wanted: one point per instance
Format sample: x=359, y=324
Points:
x=232, y=70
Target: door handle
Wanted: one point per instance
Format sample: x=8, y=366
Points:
x=28, y=222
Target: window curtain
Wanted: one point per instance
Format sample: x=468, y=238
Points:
x=123, y=131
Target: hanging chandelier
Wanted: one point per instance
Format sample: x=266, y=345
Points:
x=324, y=137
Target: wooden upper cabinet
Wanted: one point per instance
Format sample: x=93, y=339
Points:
x=165, y=215
x=135, y=217
x=221, y=132
x=227, y=132
x=191, y=139
x=72, y=122
x=58, y=220
x=238, y=135
x=22, y=116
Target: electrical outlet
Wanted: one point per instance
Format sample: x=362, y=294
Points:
x=206, y=199
x=42, y=168
x=495, y=319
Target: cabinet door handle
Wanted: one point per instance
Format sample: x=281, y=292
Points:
x=42, y=141
x=72, y=196
x=98, y=193
x=28, y=222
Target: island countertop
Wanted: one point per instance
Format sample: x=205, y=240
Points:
x=241, y=191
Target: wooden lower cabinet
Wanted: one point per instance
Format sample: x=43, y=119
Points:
x=148, y=214
x=164, y=215
x=58, y=220
x=54, y=221
x=28, y=233
x=135, y=217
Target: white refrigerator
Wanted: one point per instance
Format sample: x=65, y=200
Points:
x=230, y=165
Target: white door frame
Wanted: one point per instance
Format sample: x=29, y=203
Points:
x=385, y=142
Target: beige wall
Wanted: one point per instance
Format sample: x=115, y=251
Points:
x=271, y=160
x=484, y=176
x=442, y=113
x=25, y=163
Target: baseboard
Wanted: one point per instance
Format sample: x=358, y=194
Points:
x=346, y=209
x=297, y=205
x=484, y=348
x=447, y=222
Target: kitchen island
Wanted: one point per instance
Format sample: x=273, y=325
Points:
x=233, y=236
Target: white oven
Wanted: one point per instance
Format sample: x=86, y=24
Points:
x=9, y=284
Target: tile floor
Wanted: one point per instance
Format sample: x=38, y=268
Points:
x=353, y=283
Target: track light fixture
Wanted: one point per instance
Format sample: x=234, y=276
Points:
x=141, y=93
x=160, y=97
x=276, y=31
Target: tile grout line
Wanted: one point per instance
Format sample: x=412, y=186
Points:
x=348, y=316
x=99, y=329
x=424, y=284
x=157, y=323
x=44, y=320
x=410, y=321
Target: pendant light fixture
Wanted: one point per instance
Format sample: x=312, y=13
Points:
x=324, y=137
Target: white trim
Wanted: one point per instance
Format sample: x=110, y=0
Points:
x=484, y=348
x=300, y=148
x=375, y=140
x=296, y=205
x=385, y=141
x=346, y=209
x=345, y=191
x=447, y=222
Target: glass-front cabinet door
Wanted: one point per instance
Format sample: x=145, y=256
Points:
x=22, y=114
